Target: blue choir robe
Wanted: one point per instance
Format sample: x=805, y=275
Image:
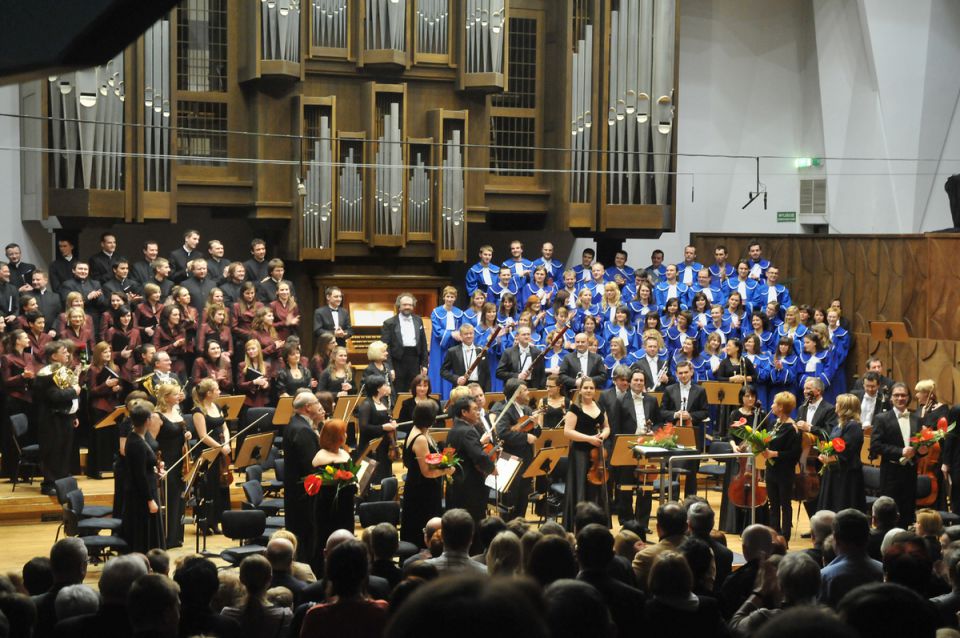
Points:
x=445, y=324
x=576, y=321
x=775, y=323
x=747, y=290
x=544, y=294
x=801, y=330
x=626, y=273
x=713, y=293
x=736, y=328
x=758, y=269
x=639, y=311
x=657, y=274
x=777, y=292
x=583, y=274
x=602, y=346
x=628, y=333
x=677, y=358
x=610, y=363
x=596, y=290
x=517, y=267
x=493, y=355
x=761, y=363
x=554, y=267
x=675, y=338
x=705, y=366
x=496, y=291
x=723, y=329
x=819, y=365
x=784, y=379
x=767, y=341
x=719, y=277
x=571, y=295
x=480, y=277
x=687, y=273
x=664, y=291
x=471, y=316
x=840, y=348
x=553, y=359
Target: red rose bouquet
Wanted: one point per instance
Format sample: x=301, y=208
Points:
x=830, y=449
x=927, y=437
x=442, y=460
x=340, y=474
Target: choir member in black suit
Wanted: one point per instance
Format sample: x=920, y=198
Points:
x=517, y=362
x=51, y=305
x=639, y=415
x=890, y=440
x=468, y=490
x=782, y=454
x=333, y=317
x=518, y=430
x=460, y=357
x=685, y=404
x=142, y=270
x=101, y=264
x=257, y=267
x=582, y=363
x=180, y=257
x=141, y=524
x=300, y=444
x=842, y=484
x=406, y=341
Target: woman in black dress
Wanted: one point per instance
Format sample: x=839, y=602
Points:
x=292, y=374
x=337, y=378
x=374, y=420
x=420, y=389
x=732, y=518
x=333, y=507
x=423, y=489
x=169, y=429
x=554, y=405
x=586, y=427
x=784, y=452
x=211, y=428
x=379, y=364
x=736, y=368
x=141, y=525
x=842, y=484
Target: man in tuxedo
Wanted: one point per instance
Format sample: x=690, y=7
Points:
x=685, y=403
x=180, y=257
x=890, y=441
x=50, y=303
x=886, y=383
x=9, y=297
x=406, y=341
x=639, y=415
x=300, y=444
x=818, y=417
x=120, y=283
x=518, y=443
x=655, y=369
x=517, y=362
x=468, y=490
x=460, y=357
x=142, y=270
x=162, y=373
x=333, y=318
x=61, y=269
x=582, y=363
x=872, y=404
x=267, y=288
x=216, y=262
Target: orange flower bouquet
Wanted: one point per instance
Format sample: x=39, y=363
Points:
x=927, y=437
x=831, y=449
x=666, y=438
x=442, y=460
x=340, y=474
x=757, y=439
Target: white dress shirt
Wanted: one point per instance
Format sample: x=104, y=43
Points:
x=526, y=359
x=868, y=408
x=638, y=410
x=469, y=354
x=408, y=332
x=903, y=420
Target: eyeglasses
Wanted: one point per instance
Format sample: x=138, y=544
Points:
x=900, y=395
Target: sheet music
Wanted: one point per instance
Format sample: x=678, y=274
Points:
x=507, y=467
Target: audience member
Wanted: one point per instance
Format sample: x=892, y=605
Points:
x=884, y=517
x=384, y=543
x=280, y=553
x=258, y=618
x=111, y=620
x=673, y=609
x=300, y=571
x=37, y=575
x=852, y=566
x=575, y=608
x=703, y=566
x=594, y=555
x=153, y=606
x=551, y=559
x=159, y=561
x=488, y=529
x=700, y=520
x=671, y=524
x=505, y=555
x=198, y=581
x=948, y=605
x=782, y=583
x=757, y=543
x=76, y=600
x=821, y=526
x=68, y=564
x=20, y=613
x=887, y=610
x=456, y=525
x=803, y=623
x=431, y=528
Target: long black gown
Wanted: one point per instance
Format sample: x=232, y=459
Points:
x=578, y=489
x=842, y=485
x=371, y=421
x=170, y=439
x=333, y=510
x=216, y=498
x=422, y=496
x=734, y=519
x=140, y=529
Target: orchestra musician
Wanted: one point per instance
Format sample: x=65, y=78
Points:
x=639, y=415
x=379, y=364
x=333, y=505
x=684, y=403
x=301, y=442
x=423, y=488
x=141, y=500
x=517, y=441
x=581, y=364
x=468, y=490
x=519, y=362
x=375, y=421
x=586, y=427
x=170, y=431
x=333, y=317
x=842, y=485
x=210, y=425
x=890, y=440
x=655, y=368
x=406, y=341
x=461, y=357
x=292, y=375
x=818, y=417
x=56, y=393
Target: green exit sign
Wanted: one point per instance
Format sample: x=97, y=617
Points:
x=786, y=216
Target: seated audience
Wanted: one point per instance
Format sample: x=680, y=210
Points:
x=258, y=618
x=852, y=566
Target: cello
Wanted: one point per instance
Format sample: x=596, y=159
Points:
x=929, y=463
x=740, y=489
x=806, y=483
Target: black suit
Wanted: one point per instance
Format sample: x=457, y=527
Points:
x=650, y=381
x=110, y=621
x=626, y=423
x=696, y=405
x=454, y=367
x=9, y=300
x=55, y=428
x=60, y=271
x=515, y=443
x=256, y=271
x=141, y=271
x=406, y=361
x=624, y=602
x=199, y=289
x=510, y=366
x=897, y=481
x=468, y=489
x=300, y=445
x=101, y=265
x=824, y=420
x=50, y=307
x=323, y=322
x=22, y=274
x=267, y=290
x=879, y=406
x=178, y=263
x=570, y=370
x=91, y=306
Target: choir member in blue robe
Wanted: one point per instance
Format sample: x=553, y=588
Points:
x=671, y=288
x=814, y=361
x=504, y=284
x=571, y=287
x=679, y=332
x=585, y=308
x=537, y=287
x=783, y=369
x=474, y=311
x=753, y=350
x=583, y=268
x=711, y=355
x=744, y=285
x=688, y=270
x=621, y=327
x=656, y=270
x=791, y=327
x=840, y=344
x=482, y=338
x=620, y=273
x=689, y=350
x=596, y=283
x=641, y=302
x=554, y=267
x=720, y=270
x=445, y=320
x=609, y=302
x=482, y=274
x=519, y=266
x=759, y=267
x=700, y=311
x=774, y=314
x=735, y=314
x=618, y=354
x=592, y=328
x=759, y=326
x=703, y=284
x=769, y=290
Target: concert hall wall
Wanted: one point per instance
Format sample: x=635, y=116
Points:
x=909, y=278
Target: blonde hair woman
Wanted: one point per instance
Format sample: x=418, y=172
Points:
x=377, y=355
x=253, y=376
x=212, y=432
x=842, y=485
x=338, y=377
x=784, y=450
x=169, y=429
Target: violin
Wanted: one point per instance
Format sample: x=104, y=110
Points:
x=393, y=451
x=597, y=472
x=740, y=488
x=527, y=423
x=226, y=475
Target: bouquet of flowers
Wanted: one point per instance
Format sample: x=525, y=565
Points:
x=341, y=475
x=830, y=449
x=665, y=438
x=927, y=437
x=443, y=460
x=757, y=439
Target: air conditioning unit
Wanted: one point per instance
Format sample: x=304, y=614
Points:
x=813, y=201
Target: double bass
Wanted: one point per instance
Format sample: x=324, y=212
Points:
x=928, y=465
x=806, y=484
x=741, y=485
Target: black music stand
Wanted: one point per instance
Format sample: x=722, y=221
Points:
x=254, y=450
x=543, y=464
x=206, y=459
